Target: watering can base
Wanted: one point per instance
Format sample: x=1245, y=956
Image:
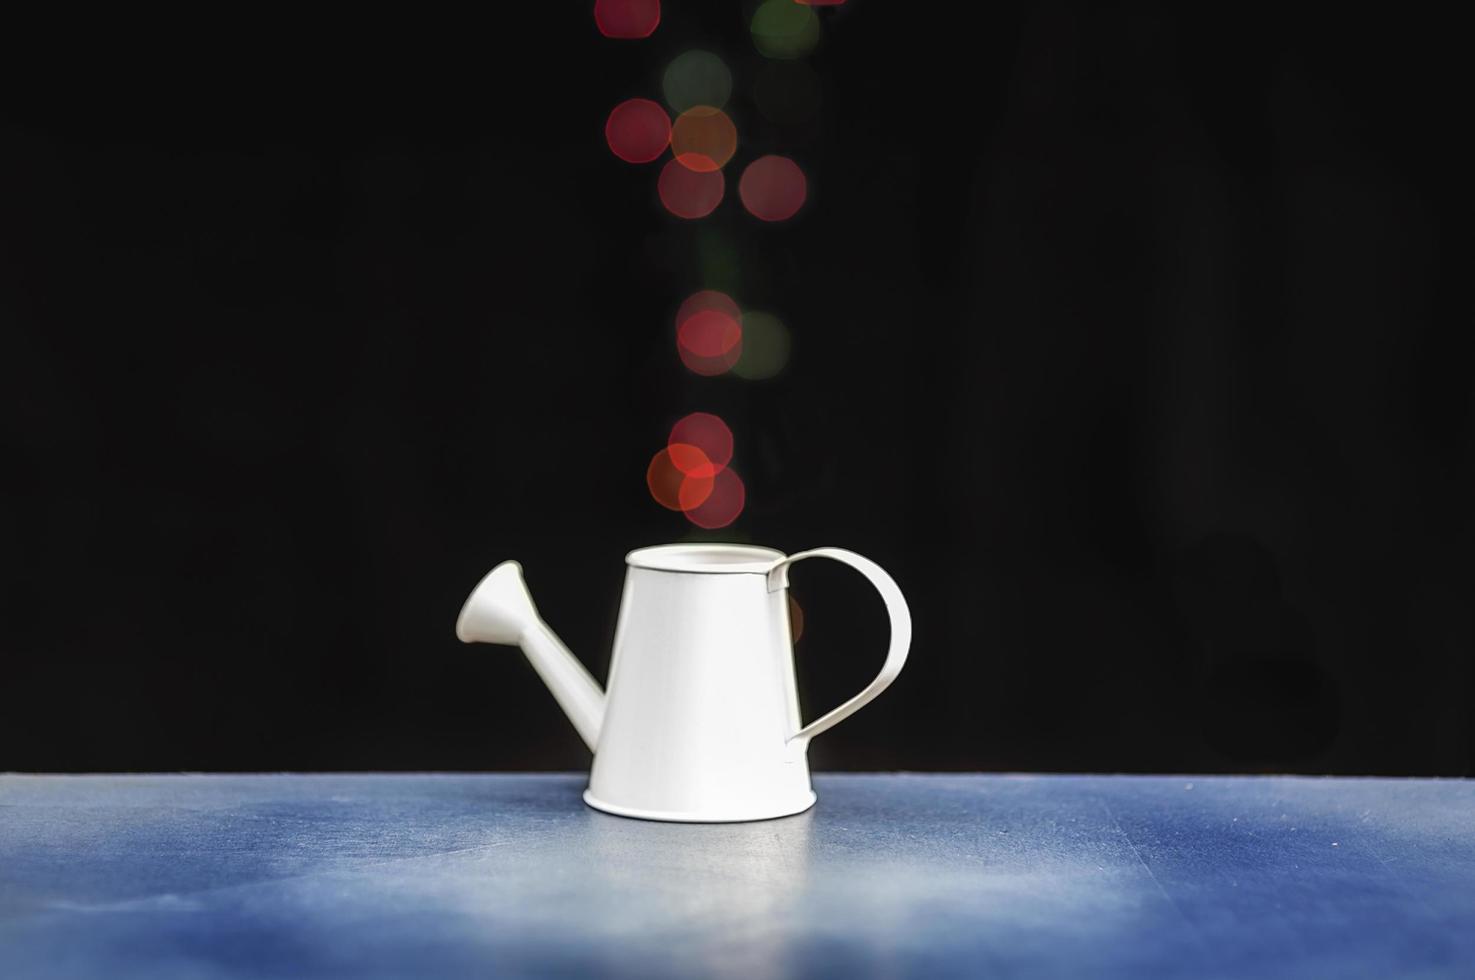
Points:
x=798, y=805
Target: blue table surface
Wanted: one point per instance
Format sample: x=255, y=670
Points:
x=890, y=875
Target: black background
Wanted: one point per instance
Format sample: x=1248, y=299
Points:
x=1134, y=345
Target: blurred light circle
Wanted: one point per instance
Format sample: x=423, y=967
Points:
x=703, y=138
x=784, y=29
x=710, y=333
x=670, y=485
x=627, y=18
x=787, y=92
x=706, y=299
x=697, y=487
x=637, y=131
x=710, y=343
x=796, y=618
x=687, y=193
x=710, y=435
x=722, y=503
x=710, y=367
x=696, y=78
x=765, y=350
x=773, y=188
x=692, y=460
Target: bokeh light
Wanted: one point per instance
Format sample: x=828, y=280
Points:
x=637, y=130
x=698, y=485
x=784, y=29
x=722, y=503
x=627, y=18
x=707, y=299
x=696, y=78
x=710, y=342
x=709, y=332
x=709, y=434
x=796, y=618
x=773, y=188
x=703, y=138
x=787, y=92
x=679, y=477
x=692, y=460
x=765, y=347
x=687, y=193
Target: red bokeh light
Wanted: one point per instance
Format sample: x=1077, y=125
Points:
x=773, y=188
x=707, y=299
x=722, y=503
x=637, y=130
x=703, y=139
x=697, y=487
x=687, y=193
x=708, y=434
x=709, y=333
x=678, y=488
x=710, y=342
x=692, y=459
x=627, y=18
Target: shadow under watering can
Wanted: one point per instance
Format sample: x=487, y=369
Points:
x=701, y=719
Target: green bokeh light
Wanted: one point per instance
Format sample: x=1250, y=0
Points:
x=785, y=29
x=765, y=347
x=696, y=78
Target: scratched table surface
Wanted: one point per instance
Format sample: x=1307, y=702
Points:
x=889, y=876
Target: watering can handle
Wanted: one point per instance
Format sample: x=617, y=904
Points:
x=901, y=630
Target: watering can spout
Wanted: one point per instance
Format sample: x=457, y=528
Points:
x=500, y=610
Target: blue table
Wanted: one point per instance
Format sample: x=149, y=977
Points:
x=890, y=876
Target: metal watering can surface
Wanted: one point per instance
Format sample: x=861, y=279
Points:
x=701, y=719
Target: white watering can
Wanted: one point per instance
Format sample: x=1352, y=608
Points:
x=701, y=720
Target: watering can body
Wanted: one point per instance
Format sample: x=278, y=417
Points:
x=701, y=718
